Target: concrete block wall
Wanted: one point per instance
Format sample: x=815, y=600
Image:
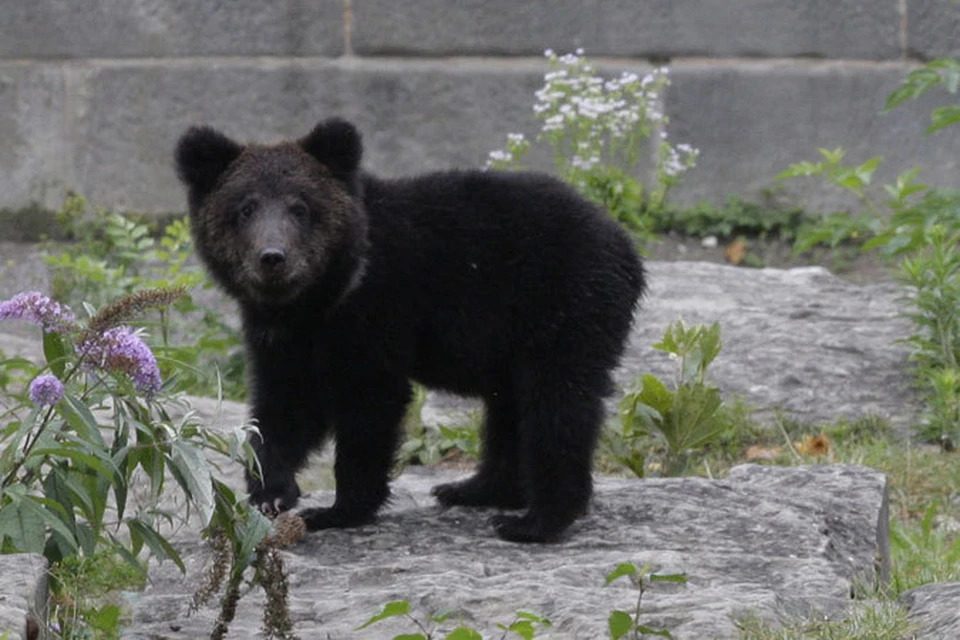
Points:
x=94, y=93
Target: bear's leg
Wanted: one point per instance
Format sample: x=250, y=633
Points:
x=290, y=427
x=497, y=481
x=559, y=426
x=367, y=420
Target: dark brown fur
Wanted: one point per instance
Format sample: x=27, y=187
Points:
x=507, y=287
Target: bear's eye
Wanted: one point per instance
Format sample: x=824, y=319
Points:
x=246, y=210
x=298, y=210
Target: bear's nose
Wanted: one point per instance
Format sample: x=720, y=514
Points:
x=272, y=258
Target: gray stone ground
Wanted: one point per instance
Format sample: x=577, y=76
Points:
x=774, y=542
x=23, y=594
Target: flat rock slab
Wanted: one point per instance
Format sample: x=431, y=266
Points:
x=775, y=542
x=23, y=594
x=799, y=341
x=934, y=609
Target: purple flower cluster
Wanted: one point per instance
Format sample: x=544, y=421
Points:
x=120, y=350
x=46, y=390
x=39, y=309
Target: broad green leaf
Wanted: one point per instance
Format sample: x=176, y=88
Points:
x=54, y=518
x=833, y=156
x=710, y=344
x=55, y=488
x=655, y=394
x=679, y=578
x=866, y=170
x=622, y=569
x=943, y=117
x=389, y=610
x=55, y=351
x=189, y=461
x=691, y=420
x=663, y=633
x=103, y=466
x=410, y=636
x=523, y=628
x=255, y=528
x=463, y=633
x=131, y=559
x=801, y=170
x=670, y=343
x=620, y=624
x=23, y=526
x=533, y=617
x=78, y=415
x=158, y=545
x=121, y=460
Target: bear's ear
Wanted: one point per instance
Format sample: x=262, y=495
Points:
x=202, y=155
x=336, y=144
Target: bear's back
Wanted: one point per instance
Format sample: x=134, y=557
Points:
x=470, y=269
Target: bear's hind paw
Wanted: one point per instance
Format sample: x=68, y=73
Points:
x=526, y=528
x=333, y=518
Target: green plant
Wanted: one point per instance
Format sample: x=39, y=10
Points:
x=767, y=219
x=687, y=417
x=878, y=620
x=93, y=426
x=83, y=604
x=599, y=130
x=920, y=227
x=114, y=255
x=923, y=553
x=429, y=444
x=624, y=624
x=524, y=625
x=942, y=72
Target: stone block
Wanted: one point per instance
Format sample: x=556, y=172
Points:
x=934, y=610
x=751, y=120
x=34, y=166
x=133, y=114
x=414, y=117
x=775, y=543
x=635, y=28
x=23, y=595
x=115, y=28
x=932, y=27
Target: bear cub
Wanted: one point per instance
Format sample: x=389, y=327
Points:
x=508, y=287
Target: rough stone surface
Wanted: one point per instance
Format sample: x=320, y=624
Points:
x=932, y=27
x=752, y=120
x=110, y=136
x=636, y=28
x=770, y=541
x=935, y=610
x=34, y=165
x=801, y=341
x=92, y=100
x=23, y=593
x=134, y=113
x=116, y=28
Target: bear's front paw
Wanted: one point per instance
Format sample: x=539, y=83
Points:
x=525, y=528
x=274, y=498
x=334, y=518
x=479, y=491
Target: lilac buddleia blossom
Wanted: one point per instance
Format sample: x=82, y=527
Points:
x=39, y=309
x=121, y=350
x=46, y=390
